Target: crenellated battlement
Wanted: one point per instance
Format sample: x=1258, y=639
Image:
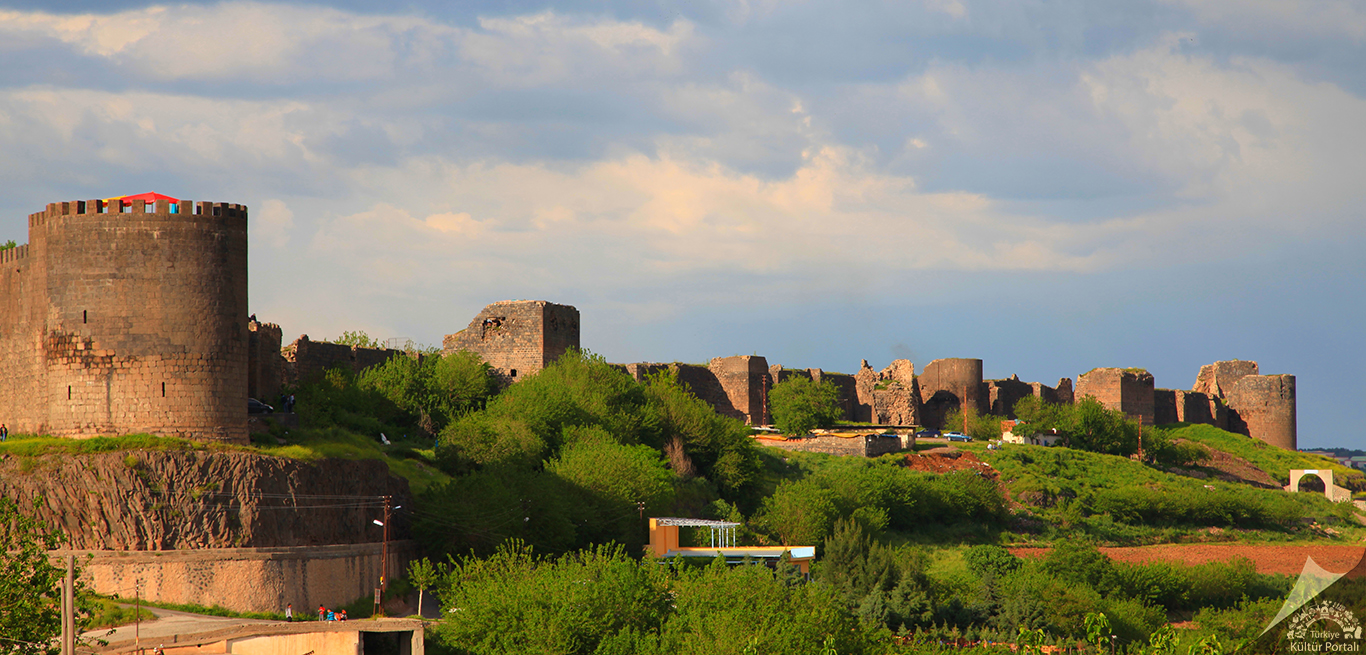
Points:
x=13, y=254
x=135, y=207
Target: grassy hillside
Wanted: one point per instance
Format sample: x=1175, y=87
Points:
x=1119, y=500
x=1277, y=462
x=405, y=458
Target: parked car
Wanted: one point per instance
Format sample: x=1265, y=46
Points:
x=925, y=434
x=957, y=436
x=255, y=406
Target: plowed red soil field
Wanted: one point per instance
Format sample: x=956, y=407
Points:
x=1268, y=558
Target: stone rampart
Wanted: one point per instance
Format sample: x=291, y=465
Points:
x=846, y=390
x=1263, y=407
x=949, y=384
x=734, y=386
x=307, y=361
x=1003, y=394
x=265, y=365
x=1217, y=379
x=887, y=397
x=245, y=579
x=744, y=379
x=1129, y=390
x=127, y=317
x=518, y=337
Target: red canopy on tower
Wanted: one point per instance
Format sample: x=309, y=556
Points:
x=150, y=196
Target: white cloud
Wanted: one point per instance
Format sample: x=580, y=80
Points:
x=1282, y=18
x=271, y=43
x=272, y=222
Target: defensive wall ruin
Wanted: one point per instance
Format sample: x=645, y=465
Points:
x=127, y=317
x=518, y=337
x=130, y=316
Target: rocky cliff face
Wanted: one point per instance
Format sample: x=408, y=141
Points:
x=155, y=500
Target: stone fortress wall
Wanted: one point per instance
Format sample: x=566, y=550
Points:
x=521, y=337
x=127, y=317
x=518, y=337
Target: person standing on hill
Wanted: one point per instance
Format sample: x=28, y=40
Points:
x=4, y=432
x=289, y=612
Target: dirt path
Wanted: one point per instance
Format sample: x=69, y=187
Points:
x=165, y=629
x=1268, y=558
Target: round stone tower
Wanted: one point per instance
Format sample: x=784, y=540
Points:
x=949, y=384
x=137, y=317
x=1263, y=407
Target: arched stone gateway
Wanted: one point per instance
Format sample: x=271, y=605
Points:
x=1331, y=491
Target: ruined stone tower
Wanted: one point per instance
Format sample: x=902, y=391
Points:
x=1259, y=406
x=1129, y=390
x=949, y=384
x=518, y=337
x=127, y=317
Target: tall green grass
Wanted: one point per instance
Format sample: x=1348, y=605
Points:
x=407, y=459
x=1277, y=462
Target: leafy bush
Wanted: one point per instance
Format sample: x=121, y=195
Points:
x=515, y=602
x=800, y=405
x=878, y=494
x=988, y=560
x=600, y=601
x=720, y=447
x=437, y=389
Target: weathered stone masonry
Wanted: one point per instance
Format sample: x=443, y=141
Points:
x=518, y=337
x=127, y=317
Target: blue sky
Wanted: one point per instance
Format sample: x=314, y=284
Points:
x=1049, y=186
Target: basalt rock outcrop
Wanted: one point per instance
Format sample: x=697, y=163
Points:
x=172, y=500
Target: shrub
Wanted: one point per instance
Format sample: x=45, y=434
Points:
x=989, y=560
x=800, y=405
x=719, y=446
x=799, y=513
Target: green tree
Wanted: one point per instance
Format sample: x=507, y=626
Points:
x=435, y=389
x=1089, y=425
x=611, y=479
x=517, y=602
x=8, y=244
x=800, y=405
x=30, y=586
x=719, y=446
x=357, y=338
x=423, y=574
x=800, y=513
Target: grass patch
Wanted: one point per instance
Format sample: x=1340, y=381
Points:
x=1123, y=502
x=37, y=446
x=223, y=612
x=109, y=613
x=1277, y=462
x=408, y=459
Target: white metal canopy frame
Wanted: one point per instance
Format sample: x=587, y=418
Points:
x=722, y=532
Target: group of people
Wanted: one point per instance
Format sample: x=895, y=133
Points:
x=324, y=614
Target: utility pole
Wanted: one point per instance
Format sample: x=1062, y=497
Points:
x=137, y=615
x=384, y=560
x=69, y=607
